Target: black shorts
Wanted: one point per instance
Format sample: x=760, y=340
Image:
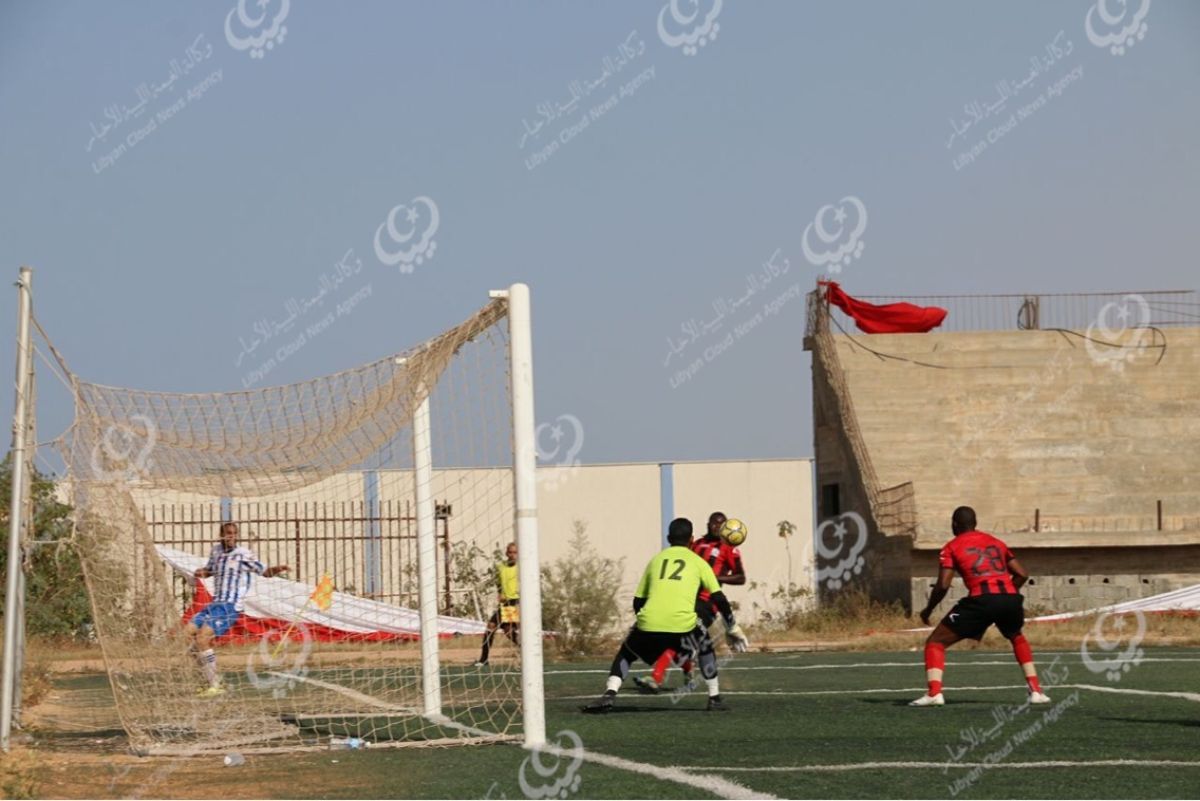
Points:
x=650, y=645
x=971, y=616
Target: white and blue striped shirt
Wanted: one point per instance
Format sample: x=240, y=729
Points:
x=231, y=572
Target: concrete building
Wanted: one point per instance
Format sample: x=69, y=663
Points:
x=1076, y=441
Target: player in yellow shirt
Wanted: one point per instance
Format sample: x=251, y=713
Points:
x=665, y=604
x=508, y=614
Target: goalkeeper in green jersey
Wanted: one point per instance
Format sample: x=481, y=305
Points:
x=665, y=603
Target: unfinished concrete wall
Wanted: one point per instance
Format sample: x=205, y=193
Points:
x=842, y=490
x=1064, y=447
x=1012, y=422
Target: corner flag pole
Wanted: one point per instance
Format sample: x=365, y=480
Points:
x=20, y=490
x=320, y=596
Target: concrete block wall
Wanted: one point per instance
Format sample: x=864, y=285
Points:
x=1053, y=594
x=1017, y=421
x=1025, y=420
x=1074, y=579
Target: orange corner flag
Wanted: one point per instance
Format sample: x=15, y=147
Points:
x=322, y=596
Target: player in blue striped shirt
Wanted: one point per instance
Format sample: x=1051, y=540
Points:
x=232, y=568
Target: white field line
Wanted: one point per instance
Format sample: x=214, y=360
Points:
x=950, y=690
x=1099, y=688
x=833, y=666
x=705, y=782
x=1058, y=763
x=788, y=693
x=963, y=657
x=349, y=693
x=713, y=784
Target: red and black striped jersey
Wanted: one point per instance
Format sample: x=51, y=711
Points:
x=982, y=561
x=722, y=557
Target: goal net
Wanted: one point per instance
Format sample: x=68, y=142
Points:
x=388, y=492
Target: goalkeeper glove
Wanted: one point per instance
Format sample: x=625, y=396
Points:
x=736, y=638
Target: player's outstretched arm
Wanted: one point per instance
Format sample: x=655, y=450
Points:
x=1019, y=574
x=209, y=566
x=945, y=578
x=275, y=571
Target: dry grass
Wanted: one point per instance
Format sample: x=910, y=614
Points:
x=35, y=682
x=62, y=655
x=854, y=623
x=19, y=772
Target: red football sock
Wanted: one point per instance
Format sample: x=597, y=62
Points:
x=687, y=666
x=1024, y=655
x=935, y=665
x=662, y=666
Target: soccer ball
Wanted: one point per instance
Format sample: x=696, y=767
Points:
x=734, y=531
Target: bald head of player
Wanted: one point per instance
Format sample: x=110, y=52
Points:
x=963, y=520
x=680, y=532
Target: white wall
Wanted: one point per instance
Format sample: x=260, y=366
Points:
x=620, y=505
x=760, y=494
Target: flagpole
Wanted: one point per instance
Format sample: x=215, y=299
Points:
x=312, y=596
x=282, y=640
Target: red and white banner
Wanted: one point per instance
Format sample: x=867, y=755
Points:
x=277, y=604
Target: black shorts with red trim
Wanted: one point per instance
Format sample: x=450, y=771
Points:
x=971, y=616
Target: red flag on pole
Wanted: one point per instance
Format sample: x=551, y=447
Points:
x=888, y=318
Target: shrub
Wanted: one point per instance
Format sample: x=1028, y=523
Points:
x=784, y=606
x=56, y=600
x=578, y=600
x=474, y=570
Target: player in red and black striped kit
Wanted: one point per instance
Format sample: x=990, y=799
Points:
x=726, y=562
x=993, y=577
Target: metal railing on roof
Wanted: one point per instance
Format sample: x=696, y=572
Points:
x=1076, y=311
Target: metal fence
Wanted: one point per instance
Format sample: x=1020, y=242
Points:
x=1072, y=311
x=368, y=552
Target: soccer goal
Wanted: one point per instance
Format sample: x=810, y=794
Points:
x=390, y=491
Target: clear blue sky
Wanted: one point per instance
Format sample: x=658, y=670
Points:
x=150, y=269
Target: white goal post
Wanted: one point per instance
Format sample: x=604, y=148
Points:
x=365, y=636
x=525, y=492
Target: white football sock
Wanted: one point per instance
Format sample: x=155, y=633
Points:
x=209, y=660
x=713, y=689
x=614, y=684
